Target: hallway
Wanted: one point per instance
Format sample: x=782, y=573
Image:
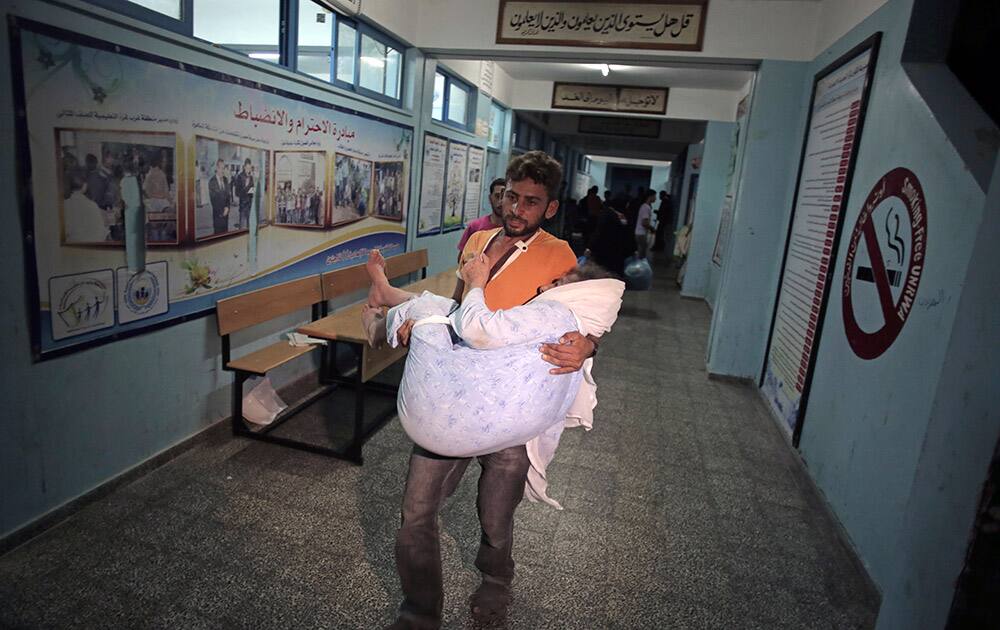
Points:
x=684, y=508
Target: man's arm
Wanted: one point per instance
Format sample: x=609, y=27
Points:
x=573, y=348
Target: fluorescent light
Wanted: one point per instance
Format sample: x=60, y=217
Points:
x=374, y=62
x=605, y=69
x=266, y=56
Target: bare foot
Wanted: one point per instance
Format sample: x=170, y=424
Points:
x=375, y=266
x=373, y=323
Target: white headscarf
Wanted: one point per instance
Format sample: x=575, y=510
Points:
x=595, y=303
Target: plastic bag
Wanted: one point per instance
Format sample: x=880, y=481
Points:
x=638, y=274
x=262, y=404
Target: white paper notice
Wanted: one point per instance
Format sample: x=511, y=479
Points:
x=454, y=194
x=143, y=294
x=474, y=185
x=829, y=146
x=432, y=185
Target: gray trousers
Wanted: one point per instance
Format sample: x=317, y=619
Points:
x=432, y=479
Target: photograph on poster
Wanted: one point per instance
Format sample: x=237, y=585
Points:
x=299, y=188
x=109, y=178
x=352, y=189
x=230, y=187
x=389, y=188
x=454, y=197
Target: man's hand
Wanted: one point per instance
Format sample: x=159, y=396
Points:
x=476, y=272
x=403, y=332
x=569, y=354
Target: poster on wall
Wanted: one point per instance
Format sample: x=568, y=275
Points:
x=157, y=188
x=836, y=118
x=732, y=177
x=454, y=192
x=432, y=185
x=474, y=185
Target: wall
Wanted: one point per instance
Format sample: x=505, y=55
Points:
x=694, y=154
x=742, y=315
x=712, y=189
x=75, y=422
x=599, y=175
x=900, y=444
x=838, y=17
x=660, y=178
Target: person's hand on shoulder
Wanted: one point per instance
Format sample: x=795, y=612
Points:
x=476, y=272
x=569, y=354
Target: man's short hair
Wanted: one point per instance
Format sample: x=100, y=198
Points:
x=247, y=162
x=539, y=167
x=499, y=181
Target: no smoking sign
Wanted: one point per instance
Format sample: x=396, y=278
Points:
x=885, y=260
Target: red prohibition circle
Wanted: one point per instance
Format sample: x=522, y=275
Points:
x=904, y=185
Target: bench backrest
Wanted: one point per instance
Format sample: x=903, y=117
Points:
x=355, y=278
x=256, y=307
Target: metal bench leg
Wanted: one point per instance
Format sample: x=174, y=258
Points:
x=239, y=378
x=359, y=409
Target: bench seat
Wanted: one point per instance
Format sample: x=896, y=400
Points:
x=261, y=361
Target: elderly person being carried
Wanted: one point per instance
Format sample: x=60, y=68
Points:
x=473, y=381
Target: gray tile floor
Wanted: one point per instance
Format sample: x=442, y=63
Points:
x=684, y=508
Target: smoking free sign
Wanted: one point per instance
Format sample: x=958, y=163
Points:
x=885, y=260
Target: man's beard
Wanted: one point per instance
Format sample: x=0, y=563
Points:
x=526, y=229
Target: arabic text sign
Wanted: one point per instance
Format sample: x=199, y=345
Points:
x=664, y=24
x=609, y=98
x=635, y=127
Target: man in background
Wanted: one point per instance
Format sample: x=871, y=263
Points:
x=492, y=220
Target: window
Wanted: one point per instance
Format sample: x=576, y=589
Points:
x=368, y=62
x=230, y=24
x=347, y=51
x=498, y=116
x=452, y=101
x=314, y=38
x=174, y=15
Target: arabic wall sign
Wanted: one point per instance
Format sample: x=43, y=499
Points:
x=662, y=24
x=611, y=126
x=885, y=260
x=609, y=98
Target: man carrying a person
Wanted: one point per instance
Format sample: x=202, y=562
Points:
x=492, y=220
x=521, y=257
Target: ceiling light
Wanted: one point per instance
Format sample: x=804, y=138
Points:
x=605, y=69
x=266, y=56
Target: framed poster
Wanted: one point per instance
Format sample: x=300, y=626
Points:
x=432, y=185
x=611, y=126
x=454, y=193
x=609, y=98
x=474, y=185
x=660, y=24
x=352, y=189
x=144, y=184
x=836, y=119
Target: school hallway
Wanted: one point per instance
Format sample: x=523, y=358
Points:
x=684, y=508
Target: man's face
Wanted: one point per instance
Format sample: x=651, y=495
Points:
x=219, y=170
x=496, y=200
x=525, y=205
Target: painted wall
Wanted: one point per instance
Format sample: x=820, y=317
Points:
x=711, y=191
x=599, y=175
x=742, y=315
x=659, y=179
x=75, y=422
x=900, y=444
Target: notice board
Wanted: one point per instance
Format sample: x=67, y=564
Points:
x=833, y=133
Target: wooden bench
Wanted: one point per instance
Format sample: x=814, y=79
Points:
x=257, y=307
x=344, y=326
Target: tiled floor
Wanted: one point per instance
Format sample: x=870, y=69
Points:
x=684, y=508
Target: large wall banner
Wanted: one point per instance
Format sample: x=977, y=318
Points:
x=836, y=118
x=153, y=188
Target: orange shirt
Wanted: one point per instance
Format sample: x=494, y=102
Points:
x=546, y=258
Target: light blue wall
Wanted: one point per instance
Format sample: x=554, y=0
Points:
x=694, y=153
x=900, y=444
x=742, y=315
x=598, y=175
x=711, y=191
x=659, y=178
